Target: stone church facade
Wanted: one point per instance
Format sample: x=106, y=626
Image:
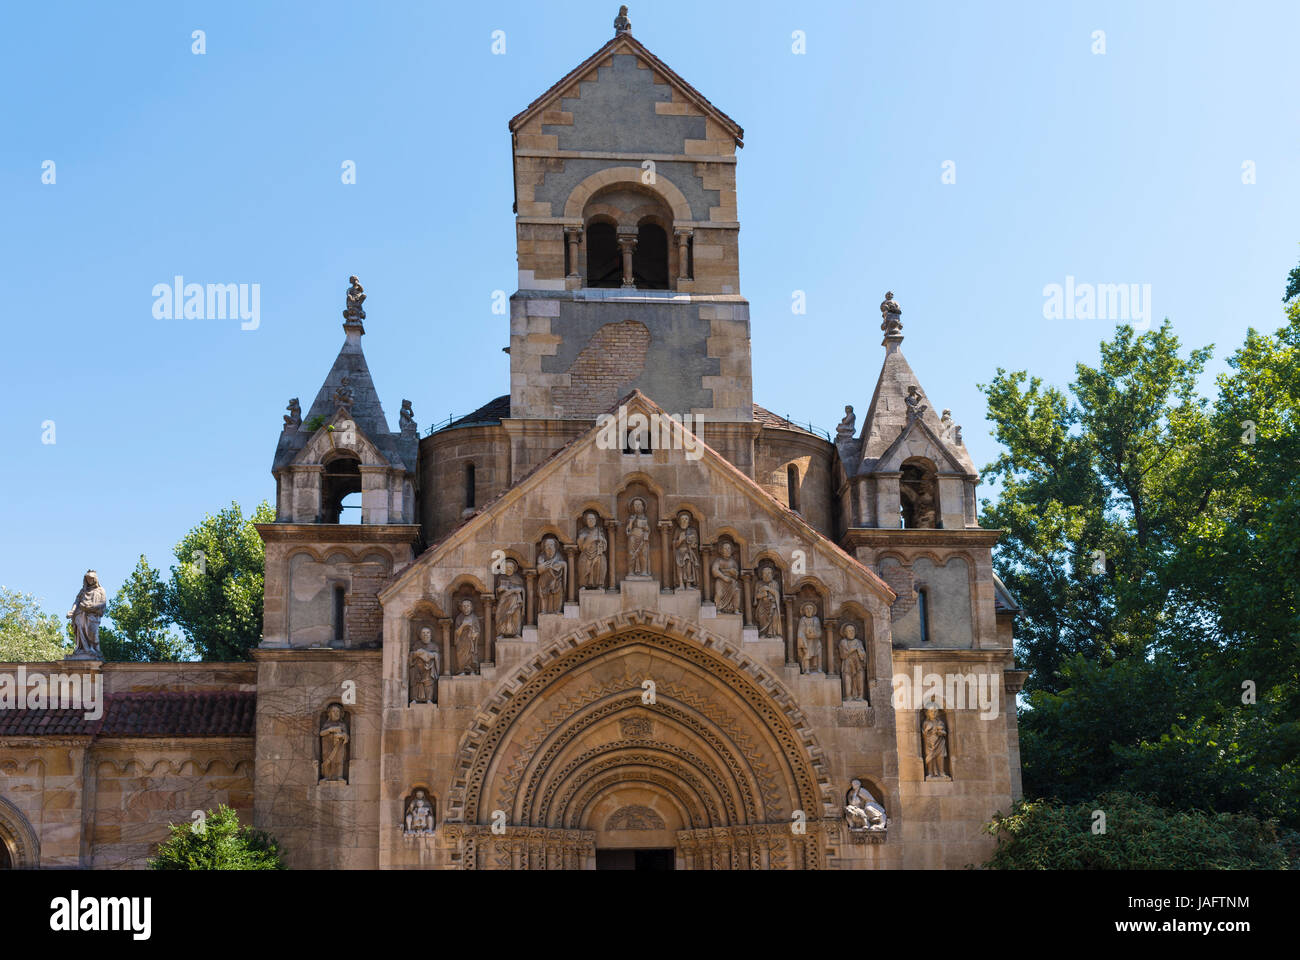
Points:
x=622, y=616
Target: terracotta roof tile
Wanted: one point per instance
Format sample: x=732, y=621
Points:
x=221, y=713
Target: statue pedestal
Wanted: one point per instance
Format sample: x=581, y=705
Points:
x=749, y=635
x=529, y=634
x=571, y=611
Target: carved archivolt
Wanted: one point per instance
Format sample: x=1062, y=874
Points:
x=18, y=837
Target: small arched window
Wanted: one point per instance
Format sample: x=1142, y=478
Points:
x=923, y=611
x=650, y=259
x=469, y=486
x=340, y=611
x=604, y=262
x=792, y=486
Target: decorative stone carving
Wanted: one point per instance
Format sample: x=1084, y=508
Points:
x=635, y=727
x=86, y=612
x=293, y=419
x=343, y=394
x=510, y=600
x=407, y=418
x=767, y=604
x=356, y=296
x=726, y=580
x=621, y=23
x=423, y=667
x=853, y=663
x=334, y=740
x=551, y=568
x=638, y=540
x=914, y=405
x=951, y=432
x=862, y=812
x=934, y=737
x=419, y=818
x=593, y=553
x=686, y=552
x=808, y=639
x=634, y=817
x=844, y=432
x=468, y=630
x=891, y=316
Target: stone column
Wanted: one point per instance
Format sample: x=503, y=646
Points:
x=530, y=594
x=571, y=555
x=573, y=237
x=791, y=654
x=747, y=592
x=627, y=246
x=830, y=629
x=683, y=254
x=666, y=540
x=706, y=576
x=489, y=632
x=444, y=627
x=611, y=531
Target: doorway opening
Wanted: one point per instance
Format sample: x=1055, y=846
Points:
x=644, y=860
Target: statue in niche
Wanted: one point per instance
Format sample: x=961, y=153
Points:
x=638, y=540
x=767, y=605
x=356, y=296
x=86, y=612
x=510, y=601
x=726, y=580
x=686, y=551
x=914, y=405
x=844, y=432
x=551, y=569
x=334, y=739
x=593, y=553
x=407, y=417
x=861, y=810
x=808, y=639
x=468, y=630
x=934, y=737
x=293, y=419
x=853, y=663
x=423, y=667
x=419, y=814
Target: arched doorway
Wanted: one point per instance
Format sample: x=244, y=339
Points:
x=19, y=848
x=648, y=742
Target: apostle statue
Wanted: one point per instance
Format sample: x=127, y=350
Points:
x=85, y=615
x=510, y=601
x=726, y=580
x=767, y=605
x=844, y=432
x=686, y=552
x=423, y=667
x=861, y=810
x=334, y=745
x=593, y=553
x=419, y=814
x=808, y=640
x=638, y=540
x=853, y=662
x=468, y=630
x=551, y=569
x=934, y=736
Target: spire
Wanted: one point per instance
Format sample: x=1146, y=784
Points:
x=622, y=24
x=892, y=323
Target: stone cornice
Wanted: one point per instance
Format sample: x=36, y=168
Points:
x=339, y=532
x=982, y=654
x=637, y=158
x=315, y=653
x=914, y=537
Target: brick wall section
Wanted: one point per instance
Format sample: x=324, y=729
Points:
x=363, y=616
x=605, y=367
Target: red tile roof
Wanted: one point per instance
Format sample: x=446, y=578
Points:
x=220, y=713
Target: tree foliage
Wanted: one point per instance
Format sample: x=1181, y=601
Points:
x=140, y=630
x=217, y=842
x=27, y=632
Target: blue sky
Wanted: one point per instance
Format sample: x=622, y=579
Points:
x=1122, y=167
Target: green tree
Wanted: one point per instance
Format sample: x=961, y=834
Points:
x=27, y=632
x=217, y=842
x=140, y=629
x=215, y=593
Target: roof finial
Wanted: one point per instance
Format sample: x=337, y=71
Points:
x=891, y=320
x=356, y=295
x=622, y=24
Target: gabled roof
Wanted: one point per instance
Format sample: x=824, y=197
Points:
x=638, y=402
x=626, y=43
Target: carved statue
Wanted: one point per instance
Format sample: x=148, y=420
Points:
x=862, y=811
x=808, y=639
x=767, y=605
x=419, y=817
x=726, y=580
x=593, y=553
x=353, y=313
x=891, y=316
x=923, y=508
x=85, y=615
x=686, y=552
x=407, y=417
x=638, y=540
x=934, y=735
x=343, y=395
x=844, y=432
x=914, y=405
x=853, y=663
x=333, y=745
x=510, y=601
x=423, y=667
x=621, y=23
x=951, y=431
x=551, y=569
x=468, y=631
x=293, y=419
